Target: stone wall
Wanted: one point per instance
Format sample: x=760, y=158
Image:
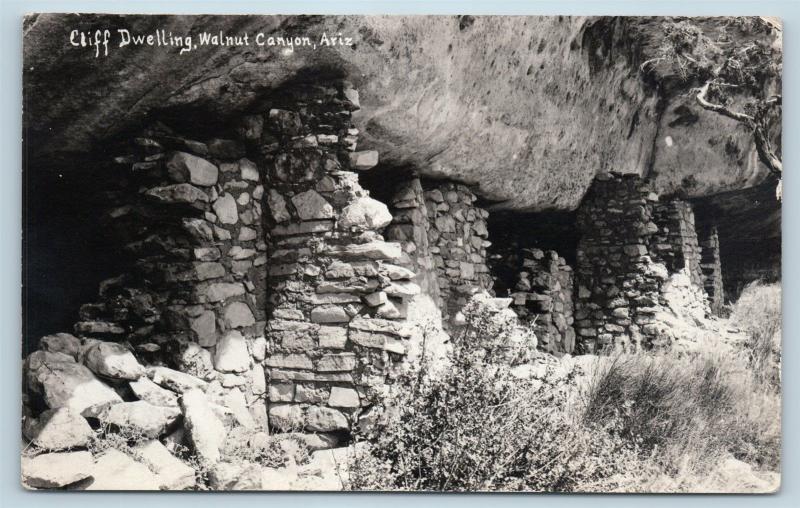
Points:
x=337, y=299
x=617, y=282
x=409, y=227
x=457, y=239
x=711, y=266
x=675, y=243
x=543, y=296
x=194, y=297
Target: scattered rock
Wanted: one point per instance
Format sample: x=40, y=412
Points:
x=148, y=391
x=174, y=380
x=141, y=418
x=68, y=384
x=205, y=430
x=113, y=470
x=56, y=470
x=113, y=360
x=58, y=429
x=234, y=477
x=172, y=473
x=61, y=343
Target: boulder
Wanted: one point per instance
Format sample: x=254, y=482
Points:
x=141, y=418
x=55, y=470
x=370, y=250
x=183, y=167
x=148, y=391
x=65, y=383
x=365, y=213
x=58, y=429
x=205, y=430
x=172, y=473
x=231, y=354
x=61, y=343
x=114, y=470
x=325, y=419
x=113, y=360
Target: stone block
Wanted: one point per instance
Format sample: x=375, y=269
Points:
x=341, y=362
x=324, y=419
x=231, y=353
x=363, y=161
x=343, y=397
x=183, y=167
x=310, y=205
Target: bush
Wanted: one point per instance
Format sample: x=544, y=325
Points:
x=479, y=428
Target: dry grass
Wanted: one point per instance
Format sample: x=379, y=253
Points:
x=758, y=313
x=691, y=413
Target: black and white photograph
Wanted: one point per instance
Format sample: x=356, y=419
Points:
x=401, y=253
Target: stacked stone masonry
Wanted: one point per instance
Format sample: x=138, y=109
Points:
x=194, y=298
x=409, y=227
x=630, y=244
x=711, y=267
x=337, y=297
x=618, y=283
x=675, y=243
x=543, y=296
x=457, y=239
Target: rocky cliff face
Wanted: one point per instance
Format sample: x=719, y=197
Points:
x=525, y=109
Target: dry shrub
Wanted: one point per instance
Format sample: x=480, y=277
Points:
x=478, y=428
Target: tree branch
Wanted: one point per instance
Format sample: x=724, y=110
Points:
x=719, y=108
x=760, y=136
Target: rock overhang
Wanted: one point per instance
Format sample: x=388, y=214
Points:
x=526, y=110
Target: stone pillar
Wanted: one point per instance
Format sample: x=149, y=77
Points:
x=618, y=283
x=675, y=243
x=337, y=298
x=711, y=266
x=194, y=298
x=409, y=227
x=457, y=238
x=543, y=296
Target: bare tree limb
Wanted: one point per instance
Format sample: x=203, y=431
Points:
x=760, y=135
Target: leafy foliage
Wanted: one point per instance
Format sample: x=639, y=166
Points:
x=481, y=428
